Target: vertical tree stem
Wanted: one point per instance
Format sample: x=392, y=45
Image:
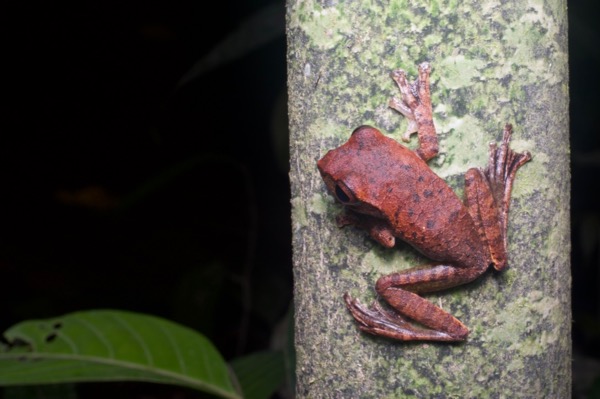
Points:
x=492, y=63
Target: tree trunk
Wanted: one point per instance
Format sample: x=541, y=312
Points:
x=492, y=63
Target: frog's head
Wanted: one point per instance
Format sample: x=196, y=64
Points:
x=349, y=171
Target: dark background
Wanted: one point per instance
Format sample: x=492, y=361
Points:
x=123, y=190
x=584, y=54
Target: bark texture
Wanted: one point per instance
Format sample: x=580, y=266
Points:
x=492, y=62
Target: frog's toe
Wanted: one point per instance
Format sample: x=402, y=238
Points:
x=377, y=321
x=375, y=318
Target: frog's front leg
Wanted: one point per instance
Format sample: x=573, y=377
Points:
x=415, y=105
x=378, y=229
x=401, y=290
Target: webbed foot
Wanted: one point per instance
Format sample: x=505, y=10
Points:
x=377, y=321
x=500, y=172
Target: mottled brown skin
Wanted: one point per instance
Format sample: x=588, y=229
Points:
x=390, y=191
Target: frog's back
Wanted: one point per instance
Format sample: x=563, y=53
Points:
x=420, y=207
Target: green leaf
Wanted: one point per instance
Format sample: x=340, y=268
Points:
x=108, y=345
x=259, y=374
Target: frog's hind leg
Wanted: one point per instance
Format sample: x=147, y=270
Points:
x=377, y=321
x=501, y=170
x=401, y=290
x=487, y=195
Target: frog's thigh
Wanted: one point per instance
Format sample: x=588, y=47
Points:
x=427, y=278
x=486, y=214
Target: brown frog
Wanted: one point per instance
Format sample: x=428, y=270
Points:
x=389, y=190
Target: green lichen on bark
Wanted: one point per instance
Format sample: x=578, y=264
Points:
x=493, y=62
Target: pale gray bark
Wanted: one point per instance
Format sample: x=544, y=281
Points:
x=492, y=63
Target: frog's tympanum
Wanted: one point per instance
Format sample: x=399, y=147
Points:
x=390, y=191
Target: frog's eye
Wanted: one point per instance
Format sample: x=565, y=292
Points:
x=343, y=194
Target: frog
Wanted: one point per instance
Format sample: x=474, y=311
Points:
x=390, y=191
